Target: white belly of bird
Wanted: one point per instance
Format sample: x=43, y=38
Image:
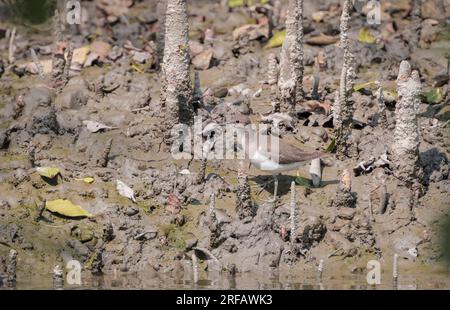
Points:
x=264, y=163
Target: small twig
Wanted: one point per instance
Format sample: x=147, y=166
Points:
x=68, y=64
x=12, y=268
x=141, y=109
x=395, y=270
x=12, y=47
x=370, y=208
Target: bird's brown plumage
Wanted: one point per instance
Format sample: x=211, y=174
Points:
x=289, y=154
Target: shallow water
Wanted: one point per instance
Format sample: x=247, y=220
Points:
x=409, y=281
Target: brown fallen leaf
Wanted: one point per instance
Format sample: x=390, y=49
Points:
x=113, y=9
x=31, y=67
x=313, y=105
x=101, y=49
x=322, y=39
x=253, y=31
x=203, y=60
x=80, y=54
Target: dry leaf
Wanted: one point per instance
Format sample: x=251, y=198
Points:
x=93, y=126
x=313, y=105
x=203, y=60
x=66, y=208
x=80, y=54
x=253, y=31
x=48, y=172
x=125, y=191
x=88, y=180
x=276, y=40
x=195, y=48
x=141, y=57
x=365, y=36
x=31, y=67
x=101, y=49
x=322, y=39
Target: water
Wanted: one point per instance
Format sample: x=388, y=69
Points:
x=150, y=281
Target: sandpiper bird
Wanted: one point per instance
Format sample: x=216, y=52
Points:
x=277, y=157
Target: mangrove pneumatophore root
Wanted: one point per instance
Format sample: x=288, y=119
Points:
x=244, y=204
x=344, y=196
x=272, y=69
x=176, y=92
x=58, y=58
x=272, y=80
x=40, y=208
x=213, y=224
x=382, y=118
x=405, y=148
x=194, y=267
x=384, y=198
x=395, y=269
x=108, y=231
x=202, y=172
x=58, y=277
x=416, y=24
x=344, y=108
x=291, y=59
x=161, y=9
x=67, y=65
x=320, y=269
x=12, y=46
x=104, y=158
x=299, y=69
x=293, y=215
x=11, y=269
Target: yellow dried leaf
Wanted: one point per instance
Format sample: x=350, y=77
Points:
x=66, y=208
x=365, y=36
x=88, y=180
x=235, y=3
x=80, y=54
x=276, y=40
x=361, y=86
x=48, y=172
x=239, y=3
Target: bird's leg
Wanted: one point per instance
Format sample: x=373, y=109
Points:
x=264, y=185
x=275, y=190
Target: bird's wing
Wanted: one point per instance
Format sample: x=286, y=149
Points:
x=289, y=154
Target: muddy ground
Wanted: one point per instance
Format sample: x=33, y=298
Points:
x=156, y=236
